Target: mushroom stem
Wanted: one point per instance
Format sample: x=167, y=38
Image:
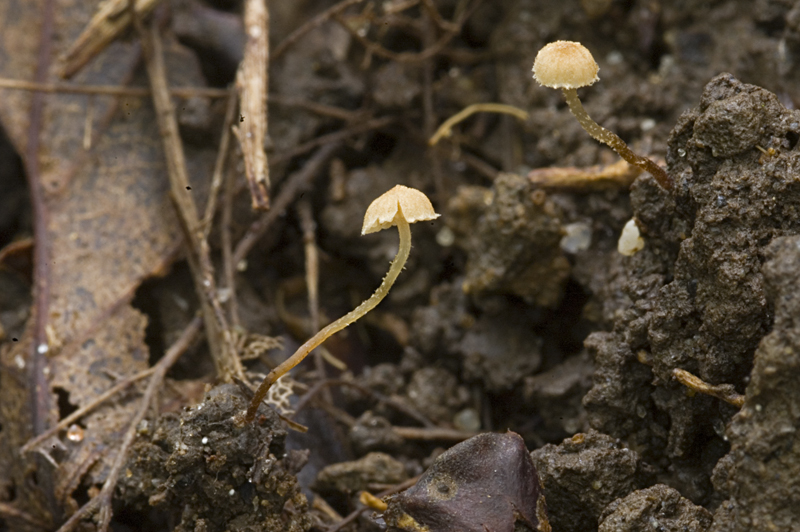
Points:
x=302, y=352
x=613, y=141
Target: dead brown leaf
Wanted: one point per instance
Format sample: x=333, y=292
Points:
x=105, y=224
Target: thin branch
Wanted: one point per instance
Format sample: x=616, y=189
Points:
x=432, y=433
x=726, y=392
x=312, y=24
x=446, y=129
x=82, y=411
x=229, y=266
x=181, y=92
x=7, y=510
x=111, y=19
x=316, y=107
x=401, y=57
x=108, y=90
x=379, y=397
x=336, y=136
x=429, y=122
x=312, y=281
x=102, y=502
x=252, y=82
x=219, y=165
x=618, y=175
x=410, y=57
x=295, y=184
x=455, y=153
x=446, y=25
x=309, y=228
x=391, y=8
x=220, y=342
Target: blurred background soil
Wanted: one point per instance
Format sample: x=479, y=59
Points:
x=515, y=311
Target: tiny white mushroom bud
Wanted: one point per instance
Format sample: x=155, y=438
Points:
x=398, y=207
x=630, y=241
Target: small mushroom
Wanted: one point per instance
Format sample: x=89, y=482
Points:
x=400, y=206
x=630, y=241
x=568, y=65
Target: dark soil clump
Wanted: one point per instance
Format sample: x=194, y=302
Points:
x=699, y=296
x=222, y=476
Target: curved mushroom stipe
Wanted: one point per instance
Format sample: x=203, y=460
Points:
x=613, y=141
x=568, y=65
x=400, y=206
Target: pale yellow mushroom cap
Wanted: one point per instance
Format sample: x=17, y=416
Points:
x=399, y=202
x=565, y=65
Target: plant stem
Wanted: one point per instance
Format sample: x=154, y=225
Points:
x=613, y=141
x=313, y=342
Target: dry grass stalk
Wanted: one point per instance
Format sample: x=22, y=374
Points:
x=252, y=82
x=726, y=392
x=111, y=19
x=446, y=129
x=220, y=343
x=618, y=175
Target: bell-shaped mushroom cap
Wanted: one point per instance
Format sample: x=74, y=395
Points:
x=399, y=202
x=565, y=65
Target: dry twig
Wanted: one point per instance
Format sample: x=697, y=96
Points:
x=252, y=82
x=726, y=392
x=377, y=396
x=9, y=510
x=429, y=111
x=617, y=175
x=111, y=19
x=108, y=90
x=220, y=342
x=295, y=183
x=312, y=280
x=432, y=433
x=181, y=92
x=317, y=107
x=446, y=129
x=39, y=385
x=82, y=411
x=219, y=165
x=434, y=14
x=411, y=57
x=229, y=266
x=336, y=136
x=315, y=22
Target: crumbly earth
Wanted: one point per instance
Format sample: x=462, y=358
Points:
x=219, y=475
x=656, y=508
x=699, y=296
x=761, y=475
x=584, y=474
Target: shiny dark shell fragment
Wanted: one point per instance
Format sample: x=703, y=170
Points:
x=487, y=483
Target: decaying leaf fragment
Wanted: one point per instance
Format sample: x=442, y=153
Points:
x=486, y=483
